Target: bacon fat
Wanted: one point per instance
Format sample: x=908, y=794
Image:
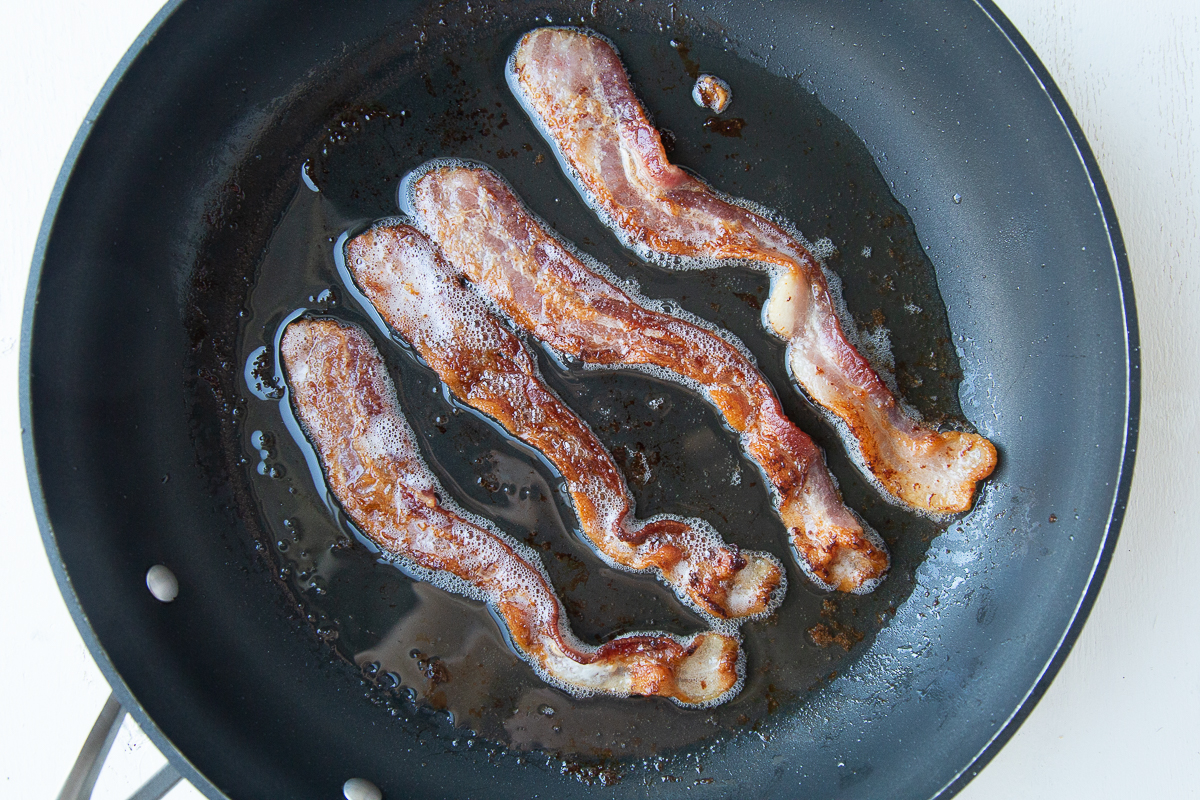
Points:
x=546, y=289
x=484, y=364
x=574, y=86
x=347, y=404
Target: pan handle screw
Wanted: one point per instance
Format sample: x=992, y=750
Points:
x=162, y=583
x=360, y=789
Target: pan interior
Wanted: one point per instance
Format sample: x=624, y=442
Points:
x=677, y=455
x=230, y=164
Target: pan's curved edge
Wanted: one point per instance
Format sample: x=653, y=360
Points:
x=1132, y=406
x=119, y=689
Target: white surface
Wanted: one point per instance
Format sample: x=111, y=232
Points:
x=1123, y=717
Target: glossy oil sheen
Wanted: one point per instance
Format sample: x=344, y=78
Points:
x=677, y=455
x=284, y=669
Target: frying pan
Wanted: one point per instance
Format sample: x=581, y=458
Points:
x=130, y=387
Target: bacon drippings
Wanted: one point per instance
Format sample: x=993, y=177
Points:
x=712, y=93
x=544, y=288
x=573, y=84
x=347, y=404
x=424, y=299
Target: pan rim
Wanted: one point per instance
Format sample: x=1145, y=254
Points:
x=25, y=399
x=1124, y=480
x=1007, y=729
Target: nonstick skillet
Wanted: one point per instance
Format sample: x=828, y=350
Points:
x=186, y=228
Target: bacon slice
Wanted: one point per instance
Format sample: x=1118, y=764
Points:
x=423, y=298
x=485, y=231
x=574, y=86
x=347, y=404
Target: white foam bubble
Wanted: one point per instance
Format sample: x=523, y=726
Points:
x=823, y=249
x=875, y=344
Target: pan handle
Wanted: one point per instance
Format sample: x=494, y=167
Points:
x=82, y=778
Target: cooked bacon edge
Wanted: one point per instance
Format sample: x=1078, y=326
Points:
x=347, y=404
x=547, y=290
x=484, y=364
x=574, y=86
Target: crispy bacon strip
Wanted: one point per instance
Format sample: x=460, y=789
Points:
x=347, y=404
x=423, y=298
x=485, y=231
x=574, y=86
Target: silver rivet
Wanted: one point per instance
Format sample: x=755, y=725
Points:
x=162, y=583
x=360, y=789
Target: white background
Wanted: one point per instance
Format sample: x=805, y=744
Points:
x=1123, y=717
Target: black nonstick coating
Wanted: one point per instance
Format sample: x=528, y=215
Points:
x=129, y=379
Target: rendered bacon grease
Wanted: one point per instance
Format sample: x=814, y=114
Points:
x=347, y=405
x=545, y=288
x=574, y=86
x=483, y=363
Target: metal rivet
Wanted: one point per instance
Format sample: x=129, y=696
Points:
x=162, y=583
x=360, y=789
